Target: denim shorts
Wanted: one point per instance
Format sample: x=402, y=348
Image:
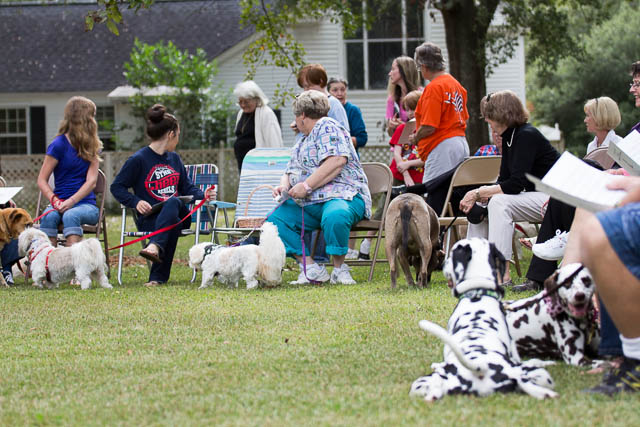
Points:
x=72, y=220
x=622, y=227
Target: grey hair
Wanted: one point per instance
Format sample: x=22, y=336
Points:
x=333, y=80
x=312, y=103
x=251, y=90
x=429, y=55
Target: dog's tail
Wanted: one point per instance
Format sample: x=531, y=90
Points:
x=445, y=337
x=93, y=248
x=405, y=218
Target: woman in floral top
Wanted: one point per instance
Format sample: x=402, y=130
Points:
x=324, y=179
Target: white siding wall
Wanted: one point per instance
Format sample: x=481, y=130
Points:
x=322, y=41
x=53, y=102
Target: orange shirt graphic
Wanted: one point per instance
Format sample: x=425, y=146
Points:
x=443, y=105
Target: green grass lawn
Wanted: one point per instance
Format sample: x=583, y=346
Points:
x=292, y=355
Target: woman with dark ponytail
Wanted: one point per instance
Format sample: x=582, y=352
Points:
x=156, y=174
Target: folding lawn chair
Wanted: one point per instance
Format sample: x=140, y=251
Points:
x=99, y=229
x=204, y=176
x=262, y=169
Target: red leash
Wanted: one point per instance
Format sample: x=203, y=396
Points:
x=162, y=230
x=46, y=213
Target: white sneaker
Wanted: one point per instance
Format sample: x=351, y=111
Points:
x=552, y=249
x=341, y=275
x=315, y=273
x=351, y=254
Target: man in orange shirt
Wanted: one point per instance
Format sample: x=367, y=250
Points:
x=441, y=121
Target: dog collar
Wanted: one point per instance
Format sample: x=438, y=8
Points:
x=210, y=249
x=479, y=293
x=471, y=284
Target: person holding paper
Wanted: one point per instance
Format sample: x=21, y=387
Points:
x=513, y=198
x=602, y=116
x=608, y=245
x=441, y=121
x=73, y=159
x=156, y=174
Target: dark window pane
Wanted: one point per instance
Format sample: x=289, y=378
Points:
x=13, y=128
x=21, y=114
x=388, y=19
x=3, y=115
x=3, y=126
x=355, y=66
x=381, y=56
x=13, y=145
x=415, y=11
x=12, y=114
x=22, y=126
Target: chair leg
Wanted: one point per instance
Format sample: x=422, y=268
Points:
x=121, y=250
x=197, y=240
x=375, y=255
x=106, y=246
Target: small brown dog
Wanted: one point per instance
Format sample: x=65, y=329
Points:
x=13, y=221
x=412, y=238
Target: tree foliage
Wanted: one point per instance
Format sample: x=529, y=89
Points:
x=201, y=106
x=601, y=68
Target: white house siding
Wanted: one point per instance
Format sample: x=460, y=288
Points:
x=53, y=102
x=322, y=42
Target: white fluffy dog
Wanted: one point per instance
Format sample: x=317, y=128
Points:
x=52, y=265
x=253, y=263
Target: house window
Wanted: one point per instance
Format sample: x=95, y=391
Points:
x=13, y=130
x=105, y=116
x=397, y=29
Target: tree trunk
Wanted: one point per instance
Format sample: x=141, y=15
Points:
x=466, y=37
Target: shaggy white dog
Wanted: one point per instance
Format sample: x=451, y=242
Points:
x=52, y=265
x=253, y=263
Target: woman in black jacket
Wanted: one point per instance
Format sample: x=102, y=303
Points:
x=513, y=198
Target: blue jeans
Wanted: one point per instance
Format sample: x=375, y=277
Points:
x=172, y=211
x=335, y=217
x=610, y=344
x=9, y=255
x=72, y=219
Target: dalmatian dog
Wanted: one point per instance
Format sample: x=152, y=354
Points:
x=561, y=325
x=480, y=357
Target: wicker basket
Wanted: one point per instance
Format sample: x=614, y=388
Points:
x=252, y=221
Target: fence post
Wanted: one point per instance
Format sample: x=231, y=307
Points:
x=107, y=168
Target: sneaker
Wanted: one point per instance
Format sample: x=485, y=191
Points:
x=351, y=254
x=529, y=285
x=315, y=274
x=552, y=249
x=365, y=247
x=626, y=378
x=8, y=277
x=341, y=275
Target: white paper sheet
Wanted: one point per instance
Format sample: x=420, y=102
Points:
x=7, y=193
x=627, y=152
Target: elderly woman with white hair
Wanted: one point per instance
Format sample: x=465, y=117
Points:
x=325, y=182
x=256, y=125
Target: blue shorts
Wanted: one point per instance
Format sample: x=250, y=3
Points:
x=622, y=227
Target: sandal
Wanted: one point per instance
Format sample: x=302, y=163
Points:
x=151, y=256
x=152, y=284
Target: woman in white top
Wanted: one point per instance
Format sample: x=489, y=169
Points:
x=256, y=125
x=601, y=117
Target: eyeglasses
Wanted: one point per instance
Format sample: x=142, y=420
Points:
x=634, y=84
